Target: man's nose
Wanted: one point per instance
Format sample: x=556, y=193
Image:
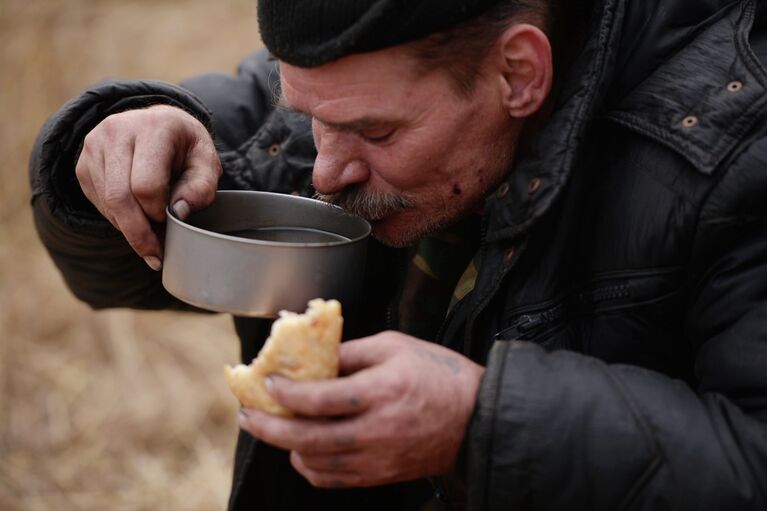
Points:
x=336, y=168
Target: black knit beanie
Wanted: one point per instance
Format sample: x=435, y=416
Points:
x=309, y=33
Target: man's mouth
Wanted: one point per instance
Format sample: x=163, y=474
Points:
x=372, y=206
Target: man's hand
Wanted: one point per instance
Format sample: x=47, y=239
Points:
x=400, y=413
x=129, y=163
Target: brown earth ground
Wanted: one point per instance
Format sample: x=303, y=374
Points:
x=113, y=410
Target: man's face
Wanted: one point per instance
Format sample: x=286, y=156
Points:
x=399, y=147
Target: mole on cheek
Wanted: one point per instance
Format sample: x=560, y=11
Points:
x=456, y=189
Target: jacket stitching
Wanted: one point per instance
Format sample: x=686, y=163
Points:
x=641, y=482
x=749, y=59
x=644, y=429
x=491, y=437
x=708, y=158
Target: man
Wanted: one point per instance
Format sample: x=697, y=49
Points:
x=584, y=213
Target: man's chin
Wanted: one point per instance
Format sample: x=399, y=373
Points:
x=393, y=234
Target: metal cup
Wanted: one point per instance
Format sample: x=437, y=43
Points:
x=256, y=253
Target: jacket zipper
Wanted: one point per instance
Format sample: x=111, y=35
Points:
x=437, y=482
x=524, y=327
x=484, y=300
x=390, y=322
x=440, y=492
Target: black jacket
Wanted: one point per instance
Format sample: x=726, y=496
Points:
x=621, y=303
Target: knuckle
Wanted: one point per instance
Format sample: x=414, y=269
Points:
x=108, y=128
x=116, y=197
x=159, y=119
x=396, y=387
x=82, y=169
x=253, y=427
x=209, y=194
x=90, y=140
x=152, y=115
x=303, y=444
x=308, y=443
x=201, y=190
x=314, y=404
x=146, y=188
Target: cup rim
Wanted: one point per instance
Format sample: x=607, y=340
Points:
x=367, y=229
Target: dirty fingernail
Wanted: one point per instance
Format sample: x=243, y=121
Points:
x=181, y=209
x=153, y=262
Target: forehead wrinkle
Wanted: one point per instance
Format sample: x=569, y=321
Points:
x=361, y=124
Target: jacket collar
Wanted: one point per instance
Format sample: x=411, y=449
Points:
x=635, y=49
x=512, y=209
x=703, y=99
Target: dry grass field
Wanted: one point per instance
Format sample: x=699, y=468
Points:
x=113, y=410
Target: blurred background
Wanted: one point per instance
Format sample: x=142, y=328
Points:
x=113, y=410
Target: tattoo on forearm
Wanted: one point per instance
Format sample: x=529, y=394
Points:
x=447, y=361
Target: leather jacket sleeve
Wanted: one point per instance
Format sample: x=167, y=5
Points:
x=97, y=263
x=562, y=430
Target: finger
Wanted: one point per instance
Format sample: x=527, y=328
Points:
x=135, y=227
x=325, y=479
x=363, y=353
x=201, y=170
x=323, y=398
x=120, y=204
x=304, y=435
x=335, y=462
x=150, y=176
x=84, y=170
x=96, y=177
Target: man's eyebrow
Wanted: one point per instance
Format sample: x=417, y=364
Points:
x=361, y=124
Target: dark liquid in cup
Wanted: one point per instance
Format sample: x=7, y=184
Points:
x=288, y=235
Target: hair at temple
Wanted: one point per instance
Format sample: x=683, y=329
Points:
x=459, y=49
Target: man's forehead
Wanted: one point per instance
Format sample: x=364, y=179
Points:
x=389, y=64
x=354, y=123
x=358, y=87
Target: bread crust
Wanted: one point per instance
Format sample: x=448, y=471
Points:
x=299, y=347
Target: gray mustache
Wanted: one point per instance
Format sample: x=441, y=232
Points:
x=368, y=205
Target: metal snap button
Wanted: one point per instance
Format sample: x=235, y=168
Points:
x=503, y=190
x=690, y=121
x=735, y=86
x=533, y=185
x=274, y=150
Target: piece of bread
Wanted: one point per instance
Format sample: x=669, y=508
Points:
x=299, y=347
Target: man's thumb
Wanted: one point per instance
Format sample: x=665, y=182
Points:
x=195, y=189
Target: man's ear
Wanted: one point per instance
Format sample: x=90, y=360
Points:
x=524, y=69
